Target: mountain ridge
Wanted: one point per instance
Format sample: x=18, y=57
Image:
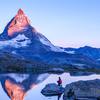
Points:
x=23, y=41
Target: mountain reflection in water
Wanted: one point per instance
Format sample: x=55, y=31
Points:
x=27, y=87
x=17, y=85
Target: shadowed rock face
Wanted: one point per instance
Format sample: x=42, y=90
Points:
x=83, y=89
x=16, y=86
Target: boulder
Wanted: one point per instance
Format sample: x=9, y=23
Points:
x=84, y=89
x=52, y=90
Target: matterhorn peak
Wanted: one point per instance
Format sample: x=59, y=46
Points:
x=20, y=12
x=19, y=23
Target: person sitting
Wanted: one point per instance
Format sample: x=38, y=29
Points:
x=59, y=82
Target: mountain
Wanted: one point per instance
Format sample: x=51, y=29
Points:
x=91, y=52
x=28, y=46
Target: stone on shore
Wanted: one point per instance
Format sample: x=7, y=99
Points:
x=52, y=90
x=84, y=89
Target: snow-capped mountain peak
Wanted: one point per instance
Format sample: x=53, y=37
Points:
x=19, y=23
x=19, y=33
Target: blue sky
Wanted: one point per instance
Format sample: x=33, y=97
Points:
x=68, y=23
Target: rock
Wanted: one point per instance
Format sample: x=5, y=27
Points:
x=52, y=90
x=84, y=89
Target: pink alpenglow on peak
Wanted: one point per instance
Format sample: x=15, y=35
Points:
x=19, y=23
x=20, y=11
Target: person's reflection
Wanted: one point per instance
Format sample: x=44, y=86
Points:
x=15, y=89
x=59, y=96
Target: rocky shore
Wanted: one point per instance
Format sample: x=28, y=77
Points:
x=81, y=90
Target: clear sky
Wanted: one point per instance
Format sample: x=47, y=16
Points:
x=68, y=23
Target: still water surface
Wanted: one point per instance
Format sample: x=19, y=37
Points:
x=29, y=86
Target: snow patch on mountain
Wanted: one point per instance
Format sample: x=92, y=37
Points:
x=78, y=64
x=70, y=52
x=98, y=59
x=20, y=41
x=13, y=52
x=48, y=43
x=54, y=48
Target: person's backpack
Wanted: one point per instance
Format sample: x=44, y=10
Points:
x=59, y=81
